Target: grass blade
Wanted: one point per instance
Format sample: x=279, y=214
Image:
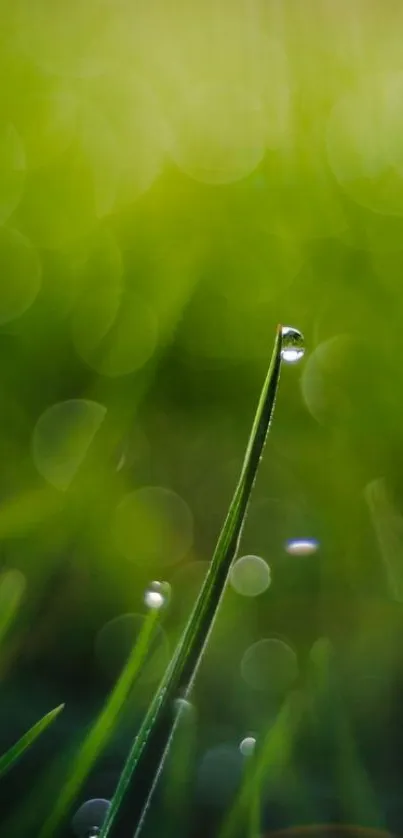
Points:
x=12, y=587
x=269, y=763
x=103, y=728
x=146, y=757
x=15, y=752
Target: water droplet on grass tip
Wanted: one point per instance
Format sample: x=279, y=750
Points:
x=247, y=746
x=157, y=594
x=293, y=344
x=90, y=813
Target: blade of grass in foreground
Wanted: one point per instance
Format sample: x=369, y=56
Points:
x=103, y=728
x=146, y=757
x=15, y=752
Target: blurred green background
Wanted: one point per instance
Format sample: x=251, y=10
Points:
x=176, y=178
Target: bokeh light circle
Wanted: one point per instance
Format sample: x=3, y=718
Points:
x=301, y=546
x=250, y=576
x=153, y=525
x=221, y=134
x=329, y=380
x=219, y=774
x=20, y=272
x=364, y=143
x=270, y=665
x=12, y=170
x=114, y=337
x=62, y=437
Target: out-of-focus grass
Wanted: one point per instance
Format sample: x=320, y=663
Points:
x=102, y=729
x=175, y=178
x=150, y=746
x=11, y=756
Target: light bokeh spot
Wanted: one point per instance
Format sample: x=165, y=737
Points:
x=250, y=576
x=46, y=121
x=124, y=138
x=12, y=170
x=153, y=526
x=220, y=133
x=219, y=774
x=20, y=272
x=301, y=546
x=62, y=437
x=325, y=383
x=270, y=665
x=364, y=142
x=114, y=334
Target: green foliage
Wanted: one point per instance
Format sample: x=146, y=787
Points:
x=14, y=753
x=150, y=746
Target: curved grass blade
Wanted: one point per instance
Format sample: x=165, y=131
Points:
x=15, y=752
x=145, y=760
x=103, y=727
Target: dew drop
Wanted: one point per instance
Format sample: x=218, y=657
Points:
x=247, y=746
x=157, y=594
x=183, y=709
x=89, y=818
x=293, y=344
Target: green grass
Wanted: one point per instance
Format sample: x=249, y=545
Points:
x=16, y=751
x=102, y=729
x=149, y=748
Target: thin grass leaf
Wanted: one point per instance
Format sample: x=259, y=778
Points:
x=268, y=764
x=12, y=587
x=145, y=760
x=103, y=727
x=356, y=793
x=15, y=752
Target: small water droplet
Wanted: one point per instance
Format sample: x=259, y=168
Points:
x=183, y=708
x=293, y=344
x=157, y=594
x=90, y=813
x=247, y=746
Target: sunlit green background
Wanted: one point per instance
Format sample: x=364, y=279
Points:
x=176, y=178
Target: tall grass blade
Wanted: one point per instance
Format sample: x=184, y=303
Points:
x=148, y=751
x=103, y=728
x=268, y=764
x=15, y=752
